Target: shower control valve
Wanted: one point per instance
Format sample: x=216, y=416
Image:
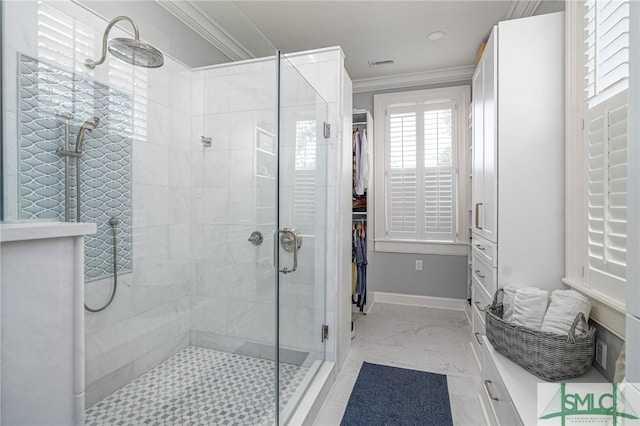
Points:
x=256, y=238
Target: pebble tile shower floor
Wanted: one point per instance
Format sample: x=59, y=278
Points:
x=199, y=386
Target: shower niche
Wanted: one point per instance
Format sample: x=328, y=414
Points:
x=49, y=97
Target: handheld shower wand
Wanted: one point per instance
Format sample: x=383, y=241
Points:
x=88, y=125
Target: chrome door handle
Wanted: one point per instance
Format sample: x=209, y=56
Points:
x=292, y=233
x=479, y=274
x=479, y=247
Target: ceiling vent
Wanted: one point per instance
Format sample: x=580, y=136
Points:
x=383, y=62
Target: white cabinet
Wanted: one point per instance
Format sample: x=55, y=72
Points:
x=518, y=156
x=485, y=183
x=518, y=161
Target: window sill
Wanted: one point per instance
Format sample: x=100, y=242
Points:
x=608, y=312
x=412, y=247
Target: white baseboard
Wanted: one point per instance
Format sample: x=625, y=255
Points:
x=422, y=301
x=467, y=313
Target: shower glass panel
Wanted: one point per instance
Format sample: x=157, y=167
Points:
x=234, y=182
x=200, y=166
x=302, y=199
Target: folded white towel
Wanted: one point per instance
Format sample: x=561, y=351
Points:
x=529, y=307
x=564, y=306
x=507, y=302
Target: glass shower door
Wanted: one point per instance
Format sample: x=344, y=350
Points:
x=302, y=216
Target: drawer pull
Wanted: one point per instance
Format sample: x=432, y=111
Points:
x=479, y=274
x=478, y=306
x=486, y=386
x=479, y=247
x=477, y=334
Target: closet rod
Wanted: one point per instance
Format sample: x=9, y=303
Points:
x=360, y=122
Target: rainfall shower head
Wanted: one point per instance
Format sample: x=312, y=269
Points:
x=136, y=52
x=131, y=50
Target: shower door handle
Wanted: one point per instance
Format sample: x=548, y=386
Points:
x=292, y=233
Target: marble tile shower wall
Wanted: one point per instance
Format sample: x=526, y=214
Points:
x=234, y=295
x=233, y=299
x=149, y=319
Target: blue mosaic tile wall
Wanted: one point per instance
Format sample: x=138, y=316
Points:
x=105, y=166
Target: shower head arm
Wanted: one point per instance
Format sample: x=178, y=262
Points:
x=91, y=63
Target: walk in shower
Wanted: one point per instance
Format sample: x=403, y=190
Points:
x=208, y=186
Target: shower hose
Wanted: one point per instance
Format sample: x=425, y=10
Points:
x=113, y=222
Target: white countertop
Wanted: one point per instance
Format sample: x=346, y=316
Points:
x=21, y=231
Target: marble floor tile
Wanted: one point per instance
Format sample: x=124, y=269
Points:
x=426, y=339
x=200, y=386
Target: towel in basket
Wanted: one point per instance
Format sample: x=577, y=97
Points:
x=547, y=355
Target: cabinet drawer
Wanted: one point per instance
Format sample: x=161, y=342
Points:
x=481, y=299
x=478, y=330
x=485, y=250
x=484, y=275
x=495, y=393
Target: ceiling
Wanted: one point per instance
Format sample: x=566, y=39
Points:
x=207, y=32
x=380, y=30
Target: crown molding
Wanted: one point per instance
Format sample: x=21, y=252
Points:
x=195, y=18
x=444, y=75
x=522, y=9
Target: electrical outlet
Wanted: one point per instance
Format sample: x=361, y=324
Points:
x=418, y=265
x=601, y=353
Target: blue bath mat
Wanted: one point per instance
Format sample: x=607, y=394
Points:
x=386, y=395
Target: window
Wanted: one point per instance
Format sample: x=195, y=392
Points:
x=304, y=194
x=423, y=154
x=597, y=149
x=606, y=72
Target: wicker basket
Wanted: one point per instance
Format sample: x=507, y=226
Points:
x=547, y=355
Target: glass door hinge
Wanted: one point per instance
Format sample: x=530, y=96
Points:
x=327, y=130
x=324, y=334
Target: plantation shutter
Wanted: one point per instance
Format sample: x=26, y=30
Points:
x=606, y=81
x=438, y=173
x=606, y=45
x=421, y=172
x=402, y=188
